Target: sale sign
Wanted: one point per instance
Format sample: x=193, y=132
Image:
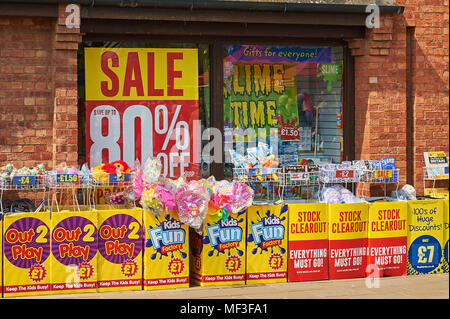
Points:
x=267, y=243
x=347, y=233
x=308, y=242
x=74, y=252
x=387, y=243
x=26, y=251
x=217, y=256
x=141, y=103
x=425, y=236
x=120, y=246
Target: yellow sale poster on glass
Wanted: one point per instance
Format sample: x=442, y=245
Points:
x=308, y=242
x=218, y=254
x=387, y=243
x=425, y=236
x=267, y=244
x=120, y=247
x=26, y=252
x=74, y=252
x=166, y=254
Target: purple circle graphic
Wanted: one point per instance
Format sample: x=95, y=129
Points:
x=120, y=238
x=74, y=240
x=27, y=242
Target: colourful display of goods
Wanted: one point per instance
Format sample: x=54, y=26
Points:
x=205, y=232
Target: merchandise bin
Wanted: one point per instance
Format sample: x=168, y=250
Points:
x=267, y=244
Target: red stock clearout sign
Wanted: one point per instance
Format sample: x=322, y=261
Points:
x=143, y=103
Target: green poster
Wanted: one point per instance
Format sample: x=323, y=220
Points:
x=261, y=95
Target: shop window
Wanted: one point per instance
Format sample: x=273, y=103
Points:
x=289, y=98
x=140, y=100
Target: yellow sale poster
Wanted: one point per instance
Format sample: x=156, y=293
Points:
x=74, y=252
x=26, y=251
x=166, y=254
x=218, y=254
x=308, y=242
x=267, y=243
x=425, y=236
x=137, y=100
x=347, y=233
x=120, y=246
x=387, y=243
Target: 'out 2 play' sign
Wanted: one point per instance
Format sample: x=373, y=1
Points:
x=140, y=103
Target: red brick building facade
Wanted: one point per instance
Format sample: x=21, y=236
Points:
x=401, y=87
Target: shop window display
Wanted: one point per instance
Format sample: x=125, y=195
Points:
x=287, y=98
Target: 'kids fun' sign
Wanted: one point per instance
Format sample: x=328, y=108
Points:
x=266, y=243
x=166, y=259
x=140, y=103
x=218, y=257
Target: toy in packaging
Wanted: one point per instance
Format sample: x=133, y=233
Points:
x=425, y=236
x=217, y=254
x=347, y=233
x=74, y=251
x=120, y=246
x=308, y=242
x=26, y=252
x=166, y=254
x=387, y=243
x=267, y=243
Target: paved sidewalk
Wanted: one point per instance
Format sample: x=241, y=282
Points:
x=410, y=287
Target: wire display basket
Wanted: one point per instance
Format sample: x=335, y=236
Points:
x=265, y=182
x=22, y=182
x=299, y=175
x=339, y=176
x=67, y=181
x=431, y=173
x=100, y=179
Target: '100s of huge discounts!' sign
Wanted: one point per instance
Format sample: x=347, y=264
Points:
x=142, y=103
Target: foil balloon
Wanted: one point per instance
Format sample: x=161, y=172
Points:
x=150, y=198
x=151, y=170
x=192, y=201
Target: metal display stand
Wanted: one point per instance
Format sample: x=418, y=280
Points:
x=68, y=187
x=298, y=176
x=438, y=173
x=22, y=183
x=384, y=177
x=113, y=181
x=258, y=179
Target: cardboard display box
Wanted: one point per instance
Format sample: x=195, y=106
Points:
x=308, y=242
x=166, y=254
x=74, y=252
x=267, y=244
x=347, y=233
x=120, y=245
x=387, y=243
x=218, y=255
x=26, y=252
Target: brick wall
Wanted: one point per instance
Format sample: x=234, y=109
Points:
x=38, y=91
x=401, y=85
x=401, y=89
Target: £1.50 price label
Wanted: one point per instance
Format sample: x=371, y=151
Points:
x=67, y=178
